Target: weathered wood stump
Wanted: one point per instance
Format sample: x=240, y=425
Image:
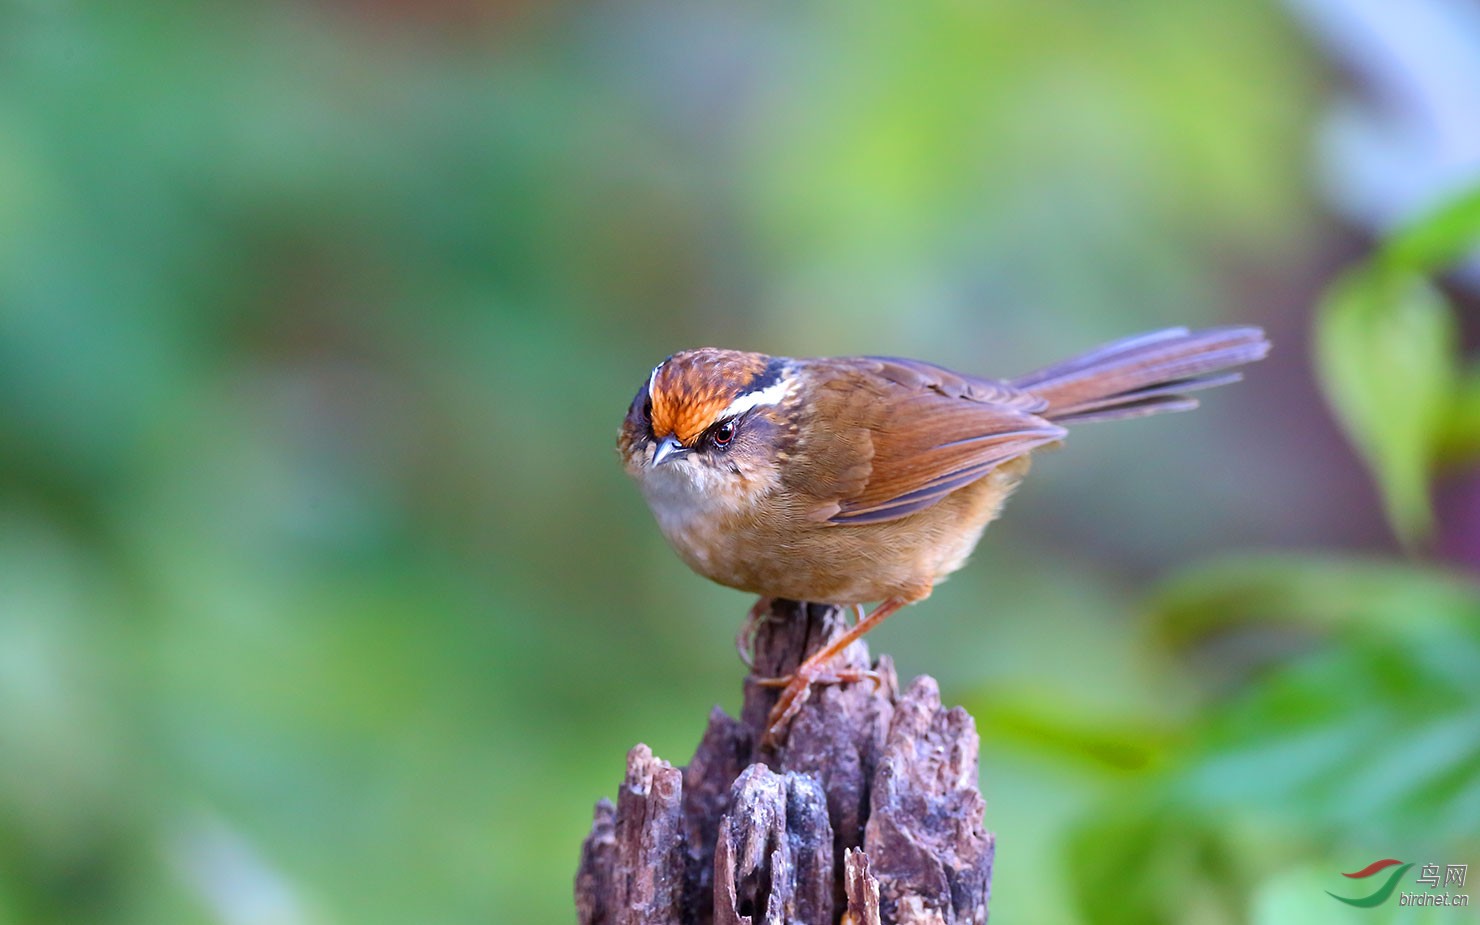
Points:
x=867, y=813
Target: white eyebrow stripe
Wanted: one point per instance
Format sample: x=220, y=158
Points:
x=653, y=377
x=770, y=395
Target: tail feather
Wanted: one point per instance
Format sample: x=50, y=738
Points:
x=1144, y=374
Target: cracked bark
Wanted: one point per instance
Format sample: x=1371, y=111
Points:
x=867, y=813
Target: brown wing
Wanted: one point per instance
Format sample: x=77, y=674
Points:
x=903, y=434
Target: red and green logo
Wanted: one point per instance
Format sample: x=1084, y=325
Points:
x=1382, y=893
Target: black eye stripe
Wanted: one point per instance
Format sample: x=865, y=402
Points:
x=640, y=413
x=766, y=377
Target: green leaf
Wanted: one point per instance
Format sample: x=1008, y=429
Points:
x=1150, y=863
x=1385, y=348
x=1073, y=732
x=1437, y=240
x=1379, y=727
x=1379, y=597
x=1427, y=247
x=1460, y=440
x=1386, y=352
x=1370, y=741
x=1381, y=739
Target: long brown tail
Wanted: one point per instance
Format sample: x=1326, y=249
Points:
x=1144, y=374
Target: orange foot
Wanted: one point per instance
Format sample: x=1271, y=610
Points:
x=798, y=687
x=814, y=670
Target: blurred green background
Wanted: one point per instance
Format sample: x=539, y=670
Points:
x=323, y=597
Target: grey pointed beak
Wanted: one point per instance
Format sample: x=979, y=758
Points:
x=668, y=448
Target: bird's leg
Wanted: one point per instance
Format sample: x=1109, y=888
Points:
x=760, y=612
x=837, y=676
x=814, y=669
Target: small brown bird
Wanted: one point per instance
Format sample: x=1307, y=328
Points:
x=854, y=479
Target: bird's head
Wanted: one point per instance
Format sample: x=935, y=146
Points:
x=706, y=428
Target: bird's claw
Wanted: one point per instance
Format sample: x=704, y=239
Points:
x=841, y=676
x=760, y=613
x=797, y=688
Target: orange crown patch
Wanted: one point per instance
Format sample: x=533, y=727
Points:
x=691, y=388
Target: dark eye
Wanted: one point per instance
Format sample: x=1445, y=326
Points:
x=647, y=409
x=723, y=434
